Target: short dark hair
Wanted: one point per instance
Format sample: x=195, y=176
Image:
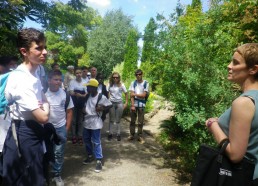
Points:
x=99, y=75
x=138, y=71
x=28, y=35
x=84, y=68
x=53, y=73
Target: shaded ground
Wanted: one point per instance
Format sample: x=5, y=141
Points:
x=125, y=163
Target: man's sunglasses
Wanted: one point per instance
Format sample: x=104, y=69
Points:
x=115, y=77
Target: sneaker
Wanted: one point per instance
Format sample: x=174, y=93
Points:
x=58, y=180
x=130, y=138
x=110, y=137
x=118, y=138
x=141, y=140
x=98, y=166
x=88, y=160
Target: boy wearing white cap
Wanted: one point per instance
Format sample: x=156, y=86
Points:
x=93, y=123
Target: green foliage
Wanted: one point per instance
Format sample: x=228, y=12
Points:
x=84, y=61
x=196, y=4
x=119, y=68
x=149, y=39
x=67, y=35
x=106, y=42
x=131, y=55
x=12, y=15
x=190, y=69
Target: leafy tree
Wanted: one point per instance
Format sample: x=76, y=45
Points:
x=12, y=16
x=131, y=55
x=106, y=43
x=78, y=5
x=149, y=41
x=196, y=4
x=179, y=9
x=69, y=34
x=195, y=53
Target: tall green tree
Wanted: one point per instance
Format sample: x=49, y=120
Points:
x=148, y=50
x=69, y=27
x=196, y=4
x=78, y=5
x=106, y=42
x=131, y=55
x=195, y=53
x=12, y=16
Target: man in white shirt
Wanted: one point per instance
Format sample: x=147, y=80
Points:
x=138, y=93
x=31, y=111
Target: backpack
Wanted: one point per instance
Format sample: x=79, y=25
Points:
x=147, y=93
x=67, y=100
x=88, y=95
x=105, y=111
x=3, y=101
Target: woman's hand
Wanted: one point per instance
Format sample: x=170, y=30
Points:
x=210, y=121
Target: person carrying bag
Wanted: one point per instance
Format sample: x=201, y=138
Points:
x=238, y=124
x=213, y=168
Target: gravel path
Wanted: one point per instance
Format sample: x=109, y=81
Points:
x=125, y=163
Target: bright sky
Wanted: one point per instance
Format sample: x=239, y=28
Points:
x=141, y=10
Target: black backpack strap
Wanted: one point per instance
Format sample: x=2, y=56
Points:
x=145, y=84
x=86, y=98
x=134, y=84
x=67, y=100
x=99, y=98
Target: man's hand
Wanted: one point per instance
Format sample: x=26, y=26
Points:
x=99, y=108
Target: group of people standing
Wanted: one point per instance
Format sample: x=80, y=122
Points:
x=39, y=119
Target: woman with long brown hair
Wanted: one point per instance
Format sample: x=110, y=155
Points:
x=116, y=88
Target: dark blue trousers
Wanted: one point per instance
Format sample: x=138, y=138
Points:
x=27, y=169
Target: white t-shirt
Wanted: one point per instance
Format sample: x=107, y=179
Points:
x=57, y=107
x=92, y=119
x=40, y=72
x=4, y=126
x=139, y=89
x=115, y=92
x=26, y=90
x=75, y=85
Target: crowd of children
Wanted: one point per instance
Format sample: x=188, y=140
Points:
x=42, y=105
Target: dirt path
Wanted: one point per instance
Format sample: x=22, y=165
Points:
x=125, y=163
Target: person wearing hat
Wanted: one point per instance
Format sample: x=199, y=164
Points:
x=68, y=77
x=95, y=104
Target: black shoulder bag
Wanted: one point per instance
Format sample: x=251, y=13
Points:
x=213, y=168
